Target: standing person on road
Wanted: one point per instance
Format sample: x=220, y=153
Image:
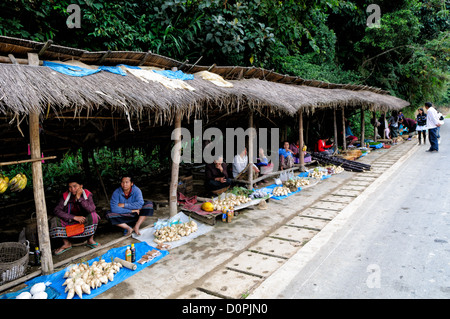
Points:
x=421, y=128
x=393, y=127
x=432, y=126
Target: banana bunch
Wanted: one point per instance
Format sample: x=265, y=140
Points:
x=18, y=182
x=4, y=183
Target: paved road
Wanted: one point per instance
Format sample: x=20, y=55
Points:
x=397, y=245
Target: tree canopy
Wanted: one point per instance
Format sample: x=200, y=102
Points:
x=408, y=53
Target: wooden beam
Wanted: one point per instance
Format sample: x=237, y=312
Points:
x=47, y=45
x=335, y=129
x=176, y=156
x=344, y=141
x=104, y=56
x=301, y=141
x=38, y=187
x=7, y=59
x=363, y=128
x=27, y=161
x=250, y=150
x=13, y=59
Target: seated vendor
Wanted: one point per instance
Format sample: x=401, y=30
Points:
x=286, y=156
x=128, y=207
x=76, y=206
x=240, y=162
x=217, y=175
x=323, y=147
x=350, y=138
x=295, y=148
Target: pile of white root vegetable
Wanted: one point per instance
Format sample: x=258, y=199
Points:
x=81, y=278
x=174, y=232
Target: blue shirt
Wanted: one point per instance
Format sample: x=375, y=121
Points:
x=283, y=152
x=135, y=201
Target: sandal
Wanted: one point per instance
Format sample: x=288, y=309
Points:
x=92, y=246
x=61, y=250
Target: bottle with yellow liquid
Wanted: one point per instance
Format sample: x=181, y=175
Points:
x=128, y=254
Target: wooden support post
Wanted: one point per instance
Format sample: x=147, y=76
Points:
x=250, y=150
x=335, y=130
x=384, y=124
x=363, y=128
x=38, y=187
x=176, y=156
x=344, y=141
x=375, y=126
x=301, y=141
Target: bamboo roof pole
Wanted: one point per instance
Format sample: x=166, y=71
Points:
x=251, y=137
x=375, y=133
x=301, y=141
x=363, y=127
x=344, y=142
x=38, y=187
x=176, y=156
x=335, y=130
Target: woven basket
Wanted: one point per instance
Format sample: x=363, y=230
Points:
x=13, y=261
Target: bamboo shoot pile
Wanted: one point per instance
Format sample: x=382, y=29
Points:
x=345, y=164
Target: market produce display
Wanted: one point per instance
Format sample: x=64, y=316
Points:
x=4, y=183
x=297, y=182
x=37, y=291
x=17, y=183
x=258, y=194
x=348, y=165
x=174, y=232
x=281, y=191
x=333, y=169
x=230, y=200
x=81, y=278
x=317, y=173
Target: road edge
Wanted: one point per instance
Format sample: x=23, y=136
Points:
x=274, y=284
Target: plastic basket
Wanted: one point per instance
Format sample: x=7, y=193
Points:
x=13, y=261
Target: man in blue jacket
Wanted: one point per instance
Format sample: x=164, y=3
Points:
x=128, y=207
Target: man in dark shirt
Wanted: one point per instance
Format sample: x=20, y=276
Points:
x=217, y=175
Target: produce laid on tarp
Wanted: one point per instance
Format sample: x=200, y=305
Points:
x=178, y=230
x=77, y=280
x=174, y=232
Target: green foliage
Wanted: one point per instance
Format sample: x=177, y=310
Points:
x=325, y=39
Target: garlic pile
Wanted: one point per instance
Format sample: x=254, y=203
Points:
x=280, y=191
x=82, y=278
x=230, y=200
x=316, y=173
x=297, y=182
x=174, y=232
x=333, y=169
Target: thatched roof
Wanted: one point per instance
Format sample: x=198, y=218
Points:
x=25, y=88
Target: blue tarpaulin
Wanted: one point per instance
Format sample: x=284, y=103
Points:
x=175, y=75
x=57, y=279
x=74, y=70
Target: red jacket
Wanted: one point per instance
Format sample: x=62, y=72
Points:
x=321, y=146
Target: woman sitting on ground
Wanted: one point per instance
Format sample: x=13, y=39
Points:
x=128, y=207
x=76, y=206
x=286, y=156
x=217, y=175
x=323, y=147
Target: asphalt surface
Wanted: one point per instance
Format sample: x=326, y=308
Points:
x=395, y=244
